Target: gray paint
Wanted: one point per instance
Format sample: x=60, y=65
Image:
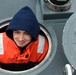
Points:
x=69, y=40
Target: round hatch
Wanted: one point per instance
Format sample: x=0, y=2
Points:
x=58, y=5
x=69, y=40
x=52, y=41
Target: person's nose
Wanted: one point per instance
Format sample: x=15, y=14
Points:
x=21, y=37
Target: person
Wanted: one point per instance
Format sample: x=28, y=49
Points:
x=22, y=46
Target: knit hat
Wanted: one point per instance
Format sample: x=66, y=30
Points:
x=25, y=20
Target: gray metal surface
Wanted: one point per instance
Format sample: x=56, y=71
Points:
x=9, y=7
x=48, y=14
x=57, y=23
x=69, y=40
x=55, y=67
x=59, y=61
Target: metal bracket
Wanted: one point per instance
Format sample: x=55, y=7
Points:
x=68, y=70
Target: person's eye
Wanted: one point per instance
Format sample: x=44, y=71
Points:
x=27, y=33
x=16, y=32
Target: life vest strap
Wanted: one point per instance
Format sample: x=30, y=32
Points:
x=1, y=44
x=41, y=44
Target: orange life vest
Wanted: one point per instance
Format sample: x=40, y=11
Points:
x=34, y=52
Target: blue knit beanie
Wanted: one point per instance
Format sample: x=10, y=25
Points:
x=25, y=20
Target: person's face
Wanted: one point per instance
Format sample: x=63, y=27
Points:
x=21, y=38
